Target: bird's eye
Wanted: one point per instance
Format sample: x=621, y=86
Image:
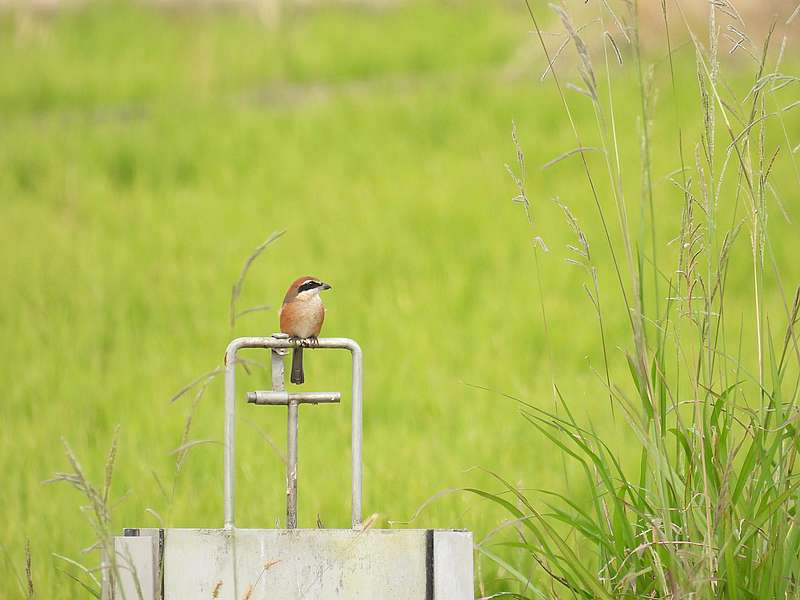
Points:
x=308, y=285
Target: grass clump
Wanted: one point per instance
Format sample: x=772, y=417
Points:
x=710, y=507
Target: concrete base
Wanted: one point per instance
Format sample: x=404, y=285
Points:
x=283, y=564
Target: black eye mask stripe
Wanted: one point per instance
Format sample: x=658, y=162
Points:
x=309, y=285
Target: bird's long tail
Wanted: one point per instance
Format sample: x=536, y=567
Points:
x=297, y=366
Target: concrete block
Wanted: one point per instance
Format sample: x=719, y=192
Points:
x=290, y=564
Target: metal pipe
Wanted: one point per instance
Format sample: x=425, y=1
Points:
x=230, y=429
x=230, y=411
x=292, y=401
x=291, y=466
x=356, y=433
x=278, y=387
x=279, y=398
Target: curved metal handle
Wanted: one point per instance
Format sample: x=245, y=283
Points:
x=230, y=413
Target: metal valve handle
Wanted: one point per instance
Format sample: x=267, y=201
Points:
x=279, y=396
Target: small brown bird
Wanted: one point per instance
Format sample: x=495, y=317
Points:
x=301, y=317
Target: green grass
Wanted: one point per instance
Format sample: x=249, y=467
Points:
x=144, y=154
x=711, y=509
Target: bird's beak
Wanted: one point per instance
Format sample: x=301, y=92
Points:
x=325, y=286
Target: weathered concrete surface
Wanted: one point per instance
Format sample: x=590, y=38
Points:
x=452, y=565
x=313, y=564
x=136, y=575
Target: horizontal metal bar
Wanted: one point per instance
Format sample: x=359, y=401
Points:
x=282, y=342
x=278, y=398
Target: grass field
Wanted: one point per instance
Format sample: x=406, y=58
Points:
x=144, y=154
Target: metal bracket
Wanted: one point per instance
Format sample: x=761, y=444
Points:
x=279, y=343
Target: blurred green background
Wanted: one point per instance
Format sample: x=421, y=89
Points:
x=145, y=151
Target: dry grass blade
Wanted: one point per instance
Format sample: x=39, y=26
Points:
x=268, y=564
x=578, y=89
x=182, y=451
x=237, y=287
x=252, y=309
x=623, y=28
x=563, y=46
x=370, y=522
x=202, y=379
x=729, y=9
x=790, y=336
x=188, y=445
x=747, y=129
x=586, y=71
x=423, y=506
x=75, y=563
x=156, y=516
x=582, y=250
x=28, y=570
x=556, y=55
x=64, y=477
x=12, y=568
x=794, y=14
x=567, y=154
x=519, y=180
x=86, y=587
x=160, y=485
x=99, y=508
x=617, y=53
x=789, y=107
x=109, y=466
x=268, y=439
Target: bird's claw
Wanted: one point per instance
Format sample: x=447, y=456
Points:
x=298, y=342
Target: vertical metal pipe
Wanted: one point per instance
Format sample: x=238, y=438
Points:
x=230, y=430
x=291, y=466
x=279, y=385
x=356, y=434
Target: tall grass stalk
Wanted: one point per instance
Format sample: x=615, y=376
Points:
x=711, y=508
x=97, y=510
x=30, y=592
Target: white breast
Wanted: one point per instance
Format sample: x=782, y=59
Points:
x=308, y=313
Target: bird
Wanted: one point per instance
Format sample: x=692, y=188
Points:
x=301, y=317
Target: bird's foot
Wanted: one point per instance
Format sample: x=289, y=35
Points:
x=309, y=342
